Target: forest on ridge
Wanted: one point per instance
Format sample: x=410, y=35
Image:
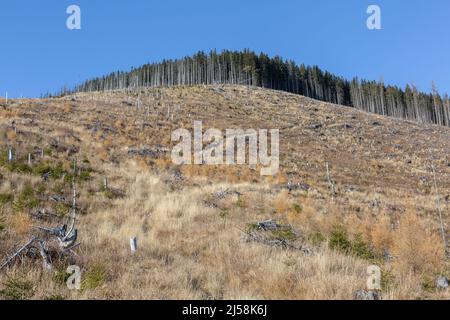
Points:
x=248, y=68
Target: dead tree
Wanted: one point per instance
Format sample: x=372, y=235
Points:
x=330, y=181
x=65, y=236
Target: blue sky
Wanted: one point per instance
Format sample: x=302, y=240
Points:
x=39, y=54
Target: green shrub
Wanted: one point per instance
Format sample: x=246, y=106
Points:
x=297, y=208
x=41, y=168
x=18, y=167
x=6, y=198
x=27, y=191
x=339, y=240
x=387, y=280
x=55, y=172
x=224, y=213
x=17, y=289
x=2, y=224
x=252, y=227
x=362, y=250
x=111, y=194
x=59, y=187
x=60, y=276
x=95, y=277
x=26, y=199
x=48, y=152
x=41, y=188
x=3, y=157
x=83, y=175
x=284, y=233
x=240, y=202
x=317, y=239
x=62, y=209
x=54, y=297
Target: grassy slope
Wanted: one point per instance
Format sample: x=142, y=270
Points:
x=190, y=241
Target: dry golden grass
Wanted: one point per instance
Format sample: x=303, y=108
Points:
x=21, y=223
x=417, y=250
x=381, y=234
x=185, y=254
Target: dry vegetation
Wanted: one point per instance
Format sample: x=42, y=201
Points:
x=192, y=221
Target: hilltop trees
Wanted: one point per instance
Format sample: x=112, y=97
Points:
x=248, y=68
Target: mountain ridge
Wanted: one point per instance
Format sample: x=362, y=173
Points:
x=248, y=68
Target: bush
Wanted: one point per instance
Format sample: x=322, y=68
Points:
x=297, y=208
x=26, y=199
x=17, y=289
x=41, y=188
x=60, y=276
x=252, y=227
x=62, y=209
x=2, y=224
x=110, y=193
x=317, y=239
x=95, y=277
x=284, y=233
x=41, y=168
x=55, y=172
x=18, y=167
x=224, y=213
x=240, y=202
x=387, y=280
x=83, y=175
x=362, y=250
x=3, y=157
x=339, y=240
x=58, y=187
x=6, y=198
x=55, y=297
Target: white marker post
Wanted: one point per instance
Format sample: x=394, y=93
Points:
x=29, y=159
x=133, y=245
x=10, y=155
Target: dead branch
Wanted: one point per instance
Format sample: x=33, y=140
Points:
x=66, y=236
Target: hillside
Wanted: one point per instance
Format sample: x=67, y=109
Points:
x=196, y=225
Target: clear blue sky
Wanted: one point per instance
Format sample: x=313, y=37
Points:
x=38, y=53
